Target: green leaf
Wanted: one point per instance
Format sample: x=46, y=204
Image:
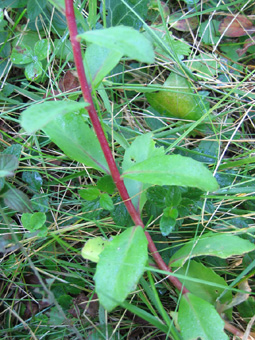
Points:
x=33, y=179
x=35, y=7
x=93, y=248
x=89, y=194
x=14, y=149
x=120, y=267
x=40, y=202
x=106, y=184
x=173, y=196
x=157, y=195
x=63, y=49
x=173, y=170
x=17, y=200
x=8, y=163
x=99, y=61
x=22, y=54
x=77, y=140
x=42, y=49
x=208, y=32
x=125, y=40
x=37, y=116
x=220, y=245
x=33, y=222
x=247, y=308
x=205, y=65
x=33, y=70
x=177, y=99
x=106, y=202
x=198, y=319
x=119, y=14
x=166, y=225
x=191, y=2
x=141, y=149
x=207, y=292
x=103, y=332
x=120, y=214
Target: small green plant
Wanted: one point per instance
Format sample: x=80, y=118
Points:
x=31, y=58
x=144, y=168
x=148, y=173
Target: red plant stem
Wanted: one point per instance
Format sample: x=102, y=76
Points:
x=70, y=16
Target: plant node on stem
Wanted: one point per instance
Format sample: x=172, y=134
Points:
x=135, y=215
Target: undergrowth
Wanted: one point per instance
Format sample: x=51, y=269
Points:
x=52, y=204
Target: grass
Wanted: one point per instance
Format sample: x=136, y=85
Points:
x=47, y=289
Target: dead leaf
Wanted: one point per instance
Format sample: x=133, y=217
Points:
x=69, y=83
x=234, y=27
x=248, y=42
x=183, y=25
x=85, y=303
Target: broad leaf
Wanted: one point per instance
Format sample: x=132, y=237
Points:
x=120, y=267
x=8, y=163
x=35, y=7
x=207, y=292
x=125, y=40
x=22, y=54
x=173, y=170
x=89, y=194
x=197, y=318
x=204, y=64
x=120, y=14
x=42, y=49
x=167, y=225
x=33, y=70
x=141, y=149
x=177, y=99
x=33, y=179
x=37, y=116
x=77, y=140
x=33, y=221
x=17, y=200
x=93, y=248
x=106, y=202
x=99, y=61
x=220, y=245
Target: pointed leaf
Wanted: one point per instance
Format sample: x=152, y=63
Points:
x=89, y=194
x=106, y=202
x=220, y=245
x=37, y=116
x=120, y=267
x=77, y=140
x=142, y=148
x=197, y=318
x=125, y=40
x=167, y=224
x=99, y=61
x=8, y=163
x=173, y=170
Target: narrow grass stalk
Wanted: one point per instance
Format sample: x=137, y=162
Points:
x=70, y=16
